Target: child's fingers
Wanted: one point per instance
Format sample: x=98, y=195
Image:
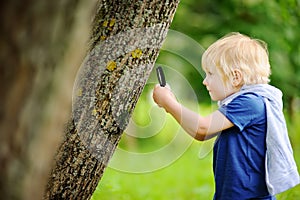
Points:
x=168, y=86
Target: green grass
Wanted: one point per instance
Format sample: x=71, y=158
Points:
x=189, y=177
x=294, y=130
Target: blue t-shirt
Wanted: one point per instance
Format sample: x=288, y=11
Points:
x=239, y=152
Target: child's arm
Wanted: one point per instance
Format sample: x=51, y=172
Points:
x=201, y=128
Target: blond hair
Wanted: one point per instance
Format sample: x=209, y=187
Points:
x=238, y=51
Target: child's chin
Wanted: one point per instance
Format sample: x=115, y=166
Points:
x=216, y=99
x=213, y=98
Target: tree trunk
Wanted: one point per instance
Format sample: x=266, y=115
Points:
x=124, y=44
x=38, y=65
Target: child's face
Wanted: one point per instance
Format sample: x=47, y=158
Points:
x=217, y=89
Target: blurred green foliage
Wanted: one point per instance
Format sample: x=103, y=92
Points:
x=277, y=22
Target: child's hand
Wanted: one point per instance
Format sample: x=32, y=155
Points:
x=163, y=96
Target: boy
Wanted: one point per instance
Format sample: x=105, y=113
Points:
x=252, y=156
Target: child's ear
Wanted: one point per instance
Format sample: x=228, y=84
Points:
x=237, y=77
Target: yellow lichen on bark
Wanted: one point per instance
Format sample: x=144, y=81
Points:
x=111, y=65
x=137, y=53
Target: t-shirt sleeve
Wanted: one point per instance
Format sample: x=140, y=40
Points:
x=245, y=110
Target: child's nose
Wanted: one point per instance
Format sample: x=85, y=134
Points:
x=204, y=82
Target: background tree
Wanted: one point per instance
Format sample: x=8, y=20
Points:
x=42, y=44
x=125, y=42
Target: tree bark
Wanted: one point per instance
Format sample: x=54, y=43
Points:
x=124, y=44
x=38, y=65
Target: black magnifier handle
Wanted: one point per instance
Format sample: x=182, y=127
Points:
x=161, y=76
